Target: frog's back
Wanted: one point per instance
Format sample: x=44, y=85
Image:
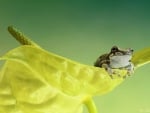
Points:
x=101, y=60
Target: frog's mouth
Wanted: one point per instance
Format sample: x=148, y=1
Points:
x=120, y=61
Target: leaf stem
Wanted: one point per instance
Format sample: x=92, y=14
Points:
x=89, y=103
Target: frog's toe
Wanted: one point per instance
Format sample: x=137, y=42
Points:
x=111, y=76
x=116, y=73
x=129, y=73
x=124, y=77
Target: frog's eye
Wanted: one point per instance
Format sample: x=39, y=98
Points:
x=131, y=50
x=114, y=49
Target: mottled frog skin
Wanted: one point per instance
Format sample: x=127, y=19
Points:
x=116, y=59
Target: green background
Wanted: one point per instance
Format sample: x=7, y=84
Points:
x=81, y=30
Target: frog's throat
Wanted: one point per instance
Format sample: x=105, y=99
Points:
x=125, y=67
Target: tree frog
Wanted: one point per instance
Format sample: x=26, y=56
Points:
x=116, y=59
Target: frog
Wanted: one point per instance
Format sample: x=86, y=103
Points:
x=117, y=58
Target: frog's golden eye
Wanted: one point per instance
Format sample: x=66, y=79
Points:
x=114, y=49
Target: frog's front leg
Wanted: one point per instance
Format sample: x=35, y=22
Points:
x=108, y=69
x=130, y=69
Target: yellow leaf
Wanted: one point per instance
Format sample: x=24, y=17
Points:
x=141, y=57
x=36, y=81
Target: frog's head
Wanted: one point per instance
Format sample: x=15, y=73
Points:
x=120, y=57
x=115, y=51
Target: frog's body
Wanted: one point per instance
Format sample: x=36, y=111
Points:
x=116, y=59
